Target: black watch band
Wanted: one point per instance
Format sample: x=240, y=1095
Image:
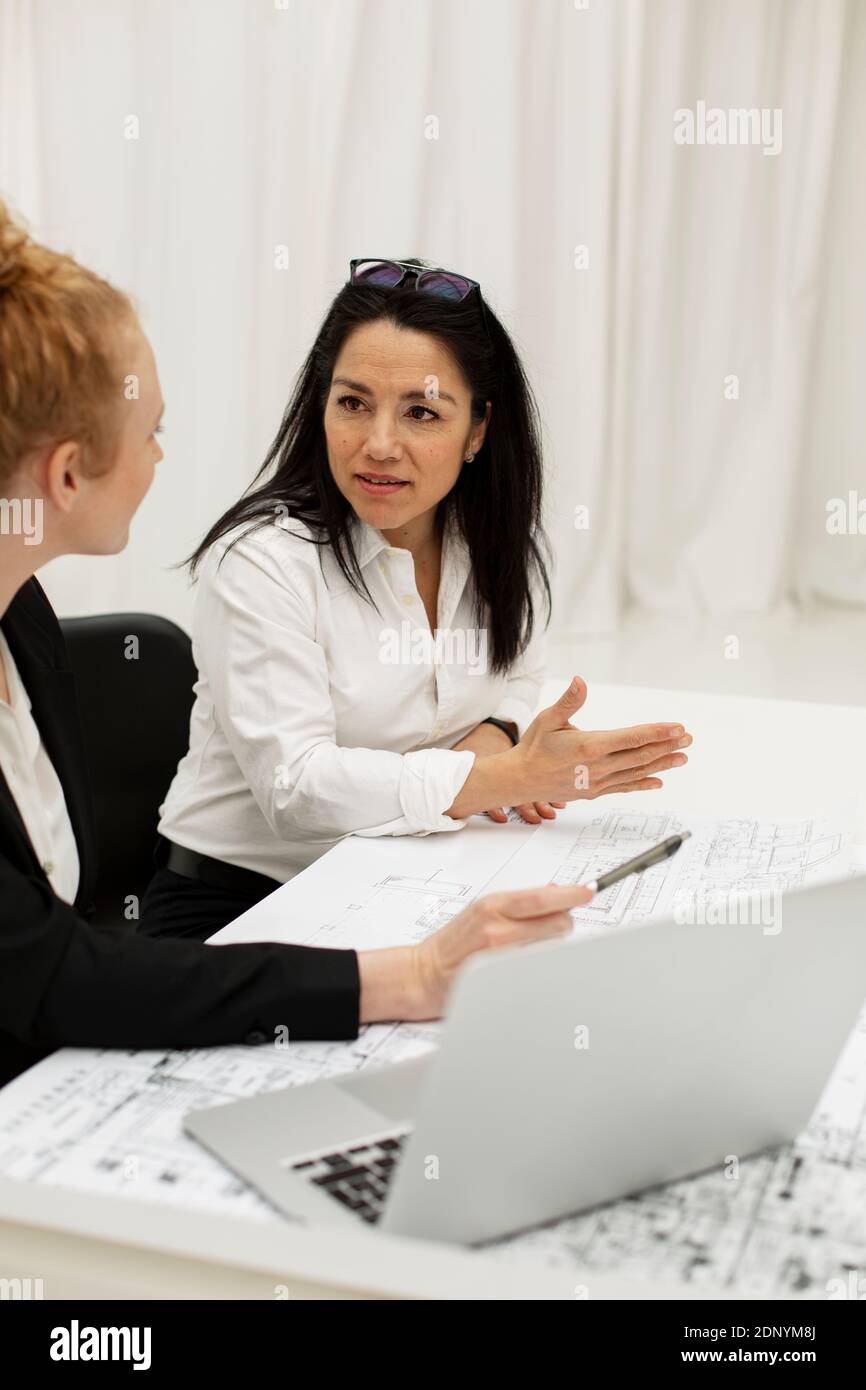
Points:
x=500, y=724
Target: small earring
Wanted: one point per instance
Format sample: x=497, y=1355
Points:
x=469, y=458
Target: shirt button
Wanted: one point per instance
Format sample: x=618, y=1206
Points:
x=255, y=1037
x=48, y=867
x=408, y=598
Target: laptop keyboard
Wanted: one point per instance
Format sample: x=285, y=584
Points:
x=356, y=1176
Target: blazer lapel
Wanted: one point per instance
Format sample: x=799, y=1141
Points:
x=50, y=686
x=13, y=827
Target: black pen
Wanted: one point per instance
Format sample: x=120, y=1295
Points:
x=656, y=855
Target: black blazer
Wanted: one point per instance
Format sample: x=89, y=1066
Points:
x=64, y=982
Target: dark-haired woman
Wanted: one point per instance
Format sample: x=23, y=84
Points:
x=368, y=619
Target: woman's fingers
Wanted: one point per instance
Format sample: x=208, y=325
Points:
x=651, y=769
x=538, y=902
x=664, y=764
x=534, y=812
x=604, y=743
x=536, y=928
x=645, y=784
x=641, y=758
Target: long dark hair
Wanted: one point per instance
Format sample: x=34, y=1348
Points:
x=496, y=501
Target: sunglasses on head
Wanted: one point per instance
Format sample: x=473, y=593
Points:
x=394, y=275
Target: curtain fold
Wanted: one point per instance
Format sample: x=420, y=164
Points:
x=19, y=103
x=501, y=137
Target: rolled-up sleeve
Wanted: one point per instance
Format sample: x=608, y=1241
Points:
x=430, y=779
x=255, y=644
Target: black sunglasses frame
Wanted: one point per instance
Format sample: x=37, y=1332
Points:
x=418, y=271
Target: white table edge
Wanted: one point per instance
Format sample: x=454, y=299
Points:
x=306, y=1259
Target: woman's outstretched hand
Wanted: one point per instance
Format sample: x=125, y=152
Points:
x=412, y=982
x=579, y=764
x=555, y=763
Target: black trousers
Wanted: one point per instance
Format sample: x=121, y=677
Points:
x=174, y=905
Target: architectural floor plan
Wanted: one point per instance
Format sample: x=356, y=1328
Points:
x=790, y=1220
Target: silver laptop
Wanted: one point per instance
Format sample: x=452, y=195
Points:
x=569, y=1073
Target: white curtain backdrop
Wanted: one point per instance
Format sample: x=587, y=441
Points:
x=309, y=127
x=18, y=107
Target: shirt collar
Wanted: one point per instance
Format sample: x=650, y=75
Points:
x=367, y=540
x=369, y=543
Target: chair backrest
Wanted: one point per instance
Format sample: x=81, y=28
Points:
x=134, y=675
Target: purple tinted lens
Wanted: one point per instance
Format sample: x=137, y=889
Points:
x=444, y=284
x=378, y=273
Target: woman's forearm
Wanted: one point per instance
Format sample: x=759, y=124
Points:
x=483, y=739
x=391, y=985
x=496, y=780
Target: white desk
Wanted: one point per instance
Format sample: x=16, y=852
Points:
x=761, y=757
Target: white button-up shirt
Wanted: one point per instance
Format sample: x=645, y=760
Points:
x=317, y=717
x=35, y=786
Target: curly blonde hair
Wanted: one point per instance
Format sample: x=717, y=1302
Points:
x=60, y=377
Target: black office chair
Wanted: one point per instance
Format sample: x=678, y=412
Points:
x=134, y=675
